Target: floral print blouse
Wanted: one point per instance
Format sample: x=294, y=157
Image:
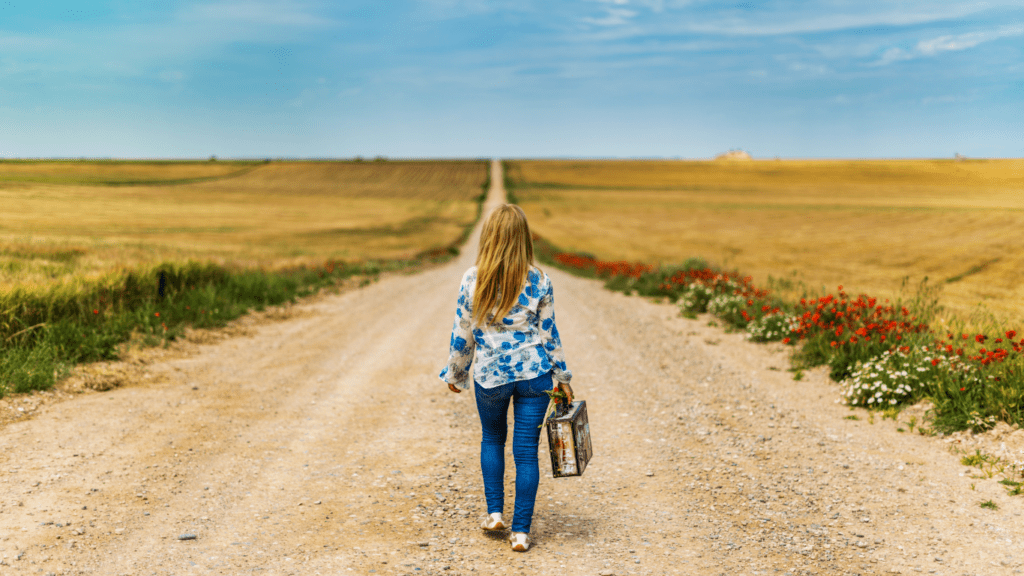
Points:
x=523, y=345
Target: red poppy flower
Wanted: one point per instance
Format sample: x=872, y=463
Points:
x=1011, y=334
x=962, y=389
x=95, y=311
x=980, y=338
x=157, y=314
x=785, y=340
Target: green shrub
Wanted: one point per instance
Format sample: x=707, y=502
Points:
x=24, y=369
x=772, y=327
x=695, y=298
x=729, y=308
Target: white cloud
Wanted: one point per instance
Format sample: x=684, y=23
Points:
x=612, y=17
x=194, y=30
x=779, y=18
x=21, y=42
x=620, y=12
x=947, y=43
x=773, y=25
x=894, y=55
x=652, y=5
x=809, y=68
x=450, y=9
x=965, y=41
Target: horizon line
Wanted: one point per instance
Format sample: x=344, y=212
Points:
x=381, y=158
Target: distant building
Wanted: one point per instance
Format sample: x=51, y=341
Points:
x=736, y=154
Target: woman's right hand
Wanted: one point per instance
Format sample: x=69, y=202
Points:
x=567, y=390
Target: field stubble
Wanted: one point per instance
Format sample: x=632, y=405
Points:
x=67, y=221
x=87, y=264
x=865, y=224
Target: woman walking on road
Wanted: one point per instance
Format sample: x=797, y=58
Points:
x=505, y=321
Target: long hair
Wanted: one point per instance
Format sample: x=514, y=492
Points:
x=505, y=257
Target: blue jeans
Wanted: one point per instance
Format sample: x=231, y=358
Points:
x=529, y=403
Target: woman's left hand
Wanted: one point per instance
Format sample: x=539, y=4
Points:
x=454, y=388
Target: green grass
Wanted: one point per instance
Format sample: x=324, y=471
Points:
x=43, y=333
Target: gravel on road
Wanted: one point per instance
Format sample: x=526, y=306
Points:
x=323, y=443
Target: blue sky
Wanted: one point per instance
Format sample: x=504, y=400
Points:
x=522, y=78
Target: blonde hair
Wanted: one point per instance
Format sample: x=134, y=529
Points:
x=505, y=257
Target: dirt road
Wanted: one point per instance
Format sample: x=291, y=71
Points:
x=325, y=444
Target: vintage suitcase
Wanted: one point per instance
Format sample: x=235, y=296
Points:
x=569, y=440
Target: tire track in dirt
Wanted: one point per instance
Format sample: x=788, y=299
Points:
x=324, y=444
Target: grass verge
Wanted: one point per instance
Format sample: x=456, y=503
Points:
x=44, y=333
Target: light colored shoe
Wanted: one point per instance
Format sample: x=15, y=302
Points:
x=494, y=523
x=520, y=541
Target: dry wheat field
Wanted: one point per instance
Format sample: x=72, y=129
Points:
x=73, y=220
x=866, y=224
